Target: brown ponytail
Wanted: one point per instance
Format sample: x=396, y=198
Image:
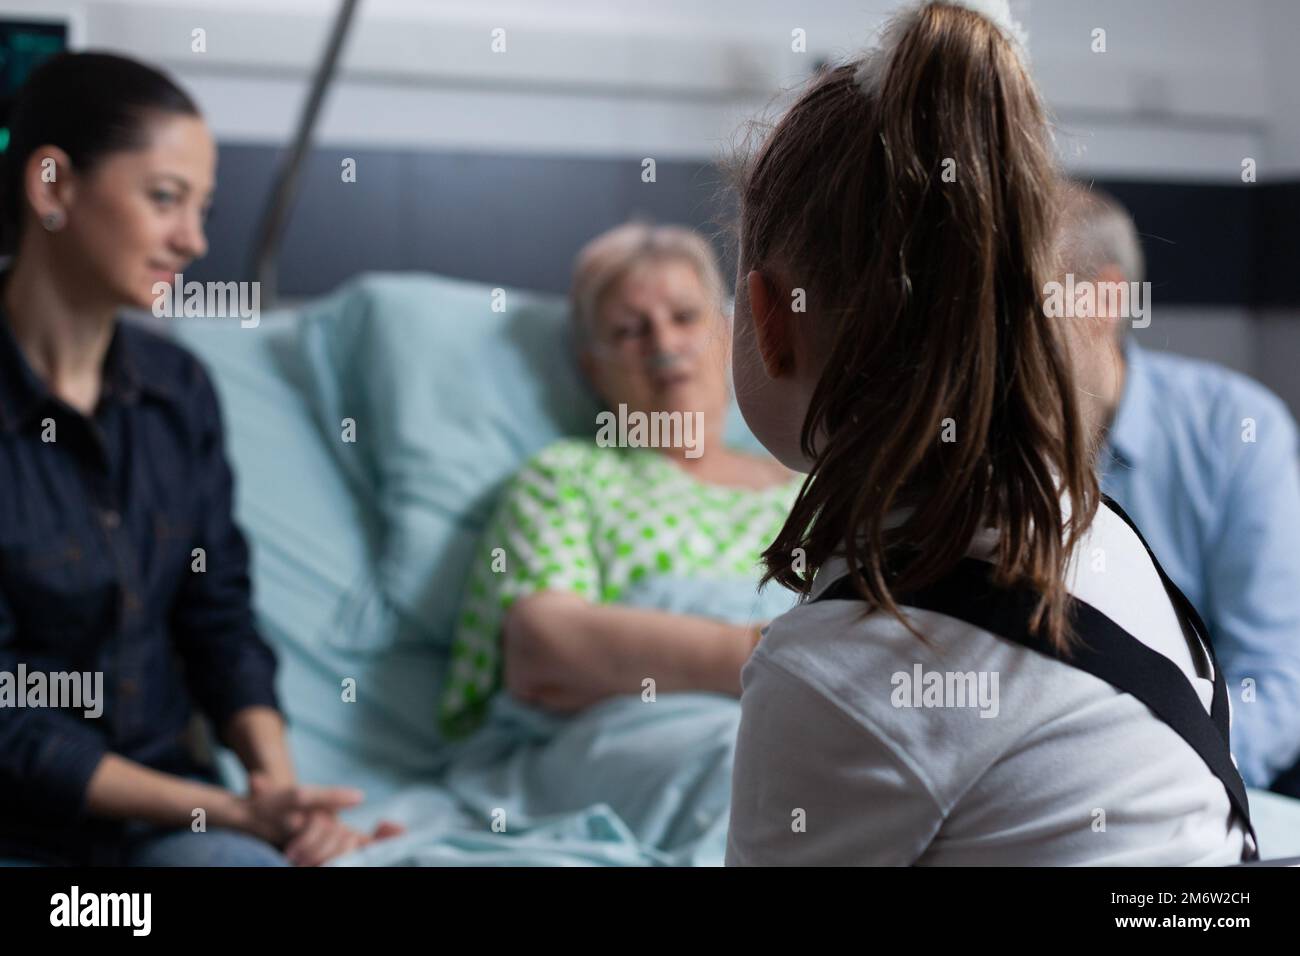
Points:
x=911, y=195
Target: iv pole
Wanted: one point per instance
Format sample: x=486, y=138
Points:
x=275, y=216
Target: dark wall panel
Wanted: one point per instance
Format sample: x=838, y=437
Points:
x=519, y=221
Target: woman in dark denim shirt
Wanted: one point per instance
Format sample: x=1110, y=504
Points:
x=124, y=588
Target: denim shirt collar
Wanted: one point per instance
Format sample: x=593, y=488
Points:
x=23, y=392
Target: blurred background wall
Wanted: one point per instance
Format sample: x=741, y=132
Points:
x=498, y=166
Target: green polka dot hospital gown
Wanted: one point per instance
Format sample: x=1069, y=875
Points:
x=598, y=522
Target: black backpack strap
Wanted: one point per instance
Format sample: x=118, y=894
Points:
x=1103, y=649
x=1219, y=711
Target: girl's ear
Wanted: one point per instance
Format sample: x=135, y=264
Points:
x=773, y=324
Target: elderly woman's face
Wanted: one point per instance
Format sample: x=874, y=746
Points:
x=659, y=342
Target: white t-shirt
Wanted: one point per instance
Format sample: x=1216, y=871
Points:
x=833, y=769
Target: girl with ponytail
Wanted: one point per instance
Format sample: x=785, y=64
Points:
x=989, y=667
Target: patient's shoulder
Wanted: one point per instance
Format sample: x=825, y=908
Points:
x=564, y=469
x=566, y=456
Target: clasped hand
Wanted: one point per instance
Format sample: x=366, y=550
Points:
x=303, y=820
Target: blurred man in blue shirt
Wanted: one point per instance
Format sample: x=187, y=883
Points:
x=1205, y=461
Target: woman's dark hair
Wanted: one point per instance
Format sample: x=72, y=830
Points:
x=929, y=290
x=88, y=105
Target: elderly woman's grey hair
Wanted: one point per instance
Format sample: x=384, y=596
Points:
x=605, y=260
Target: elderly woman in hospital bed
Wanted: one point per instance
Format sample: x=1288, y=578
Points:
x=624, y=562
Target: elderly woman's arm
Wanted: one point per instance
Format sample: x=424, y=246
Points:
x=546, y=612
x=565, y=653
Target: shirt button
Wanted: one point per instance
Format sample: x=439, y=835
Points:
x=132, y=601
x=110, y=518
x=128, y=687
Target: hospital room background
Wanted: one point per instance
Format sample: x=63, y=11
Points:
x=439, y=172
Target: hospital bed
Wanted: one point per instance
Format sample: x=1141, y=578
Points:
x=360, y=549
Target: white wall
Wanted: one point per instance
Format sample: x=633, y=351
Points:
x=1185, y=90
x=1279, y=34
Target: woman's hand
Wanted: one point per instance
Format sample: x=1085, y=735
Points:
x=563, y=653
x=304, y=820
x=325, y=836
x=277, y=812
x=548, y=663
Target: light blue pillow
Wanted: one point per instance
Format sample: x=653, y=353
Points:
x=314, y=546
x=289, y=494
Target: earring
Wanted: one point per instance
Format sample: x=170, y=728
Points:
x=52, y=221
